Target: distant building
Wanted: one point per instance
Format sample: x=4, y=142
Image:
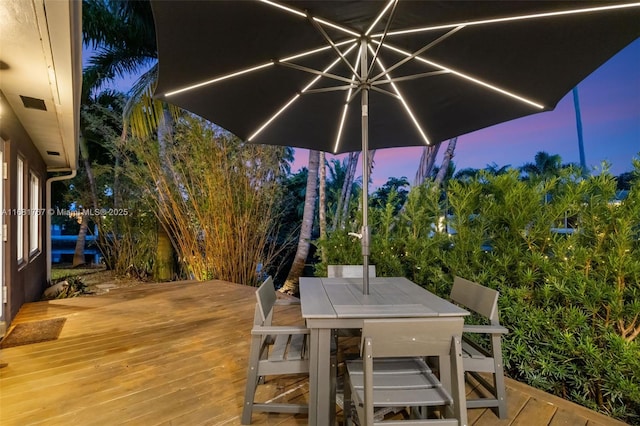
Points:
x=40, y=86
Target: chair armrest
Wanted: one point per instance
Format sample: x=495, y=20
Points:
x=287, y=302
x=485, y=329
x=286, y=329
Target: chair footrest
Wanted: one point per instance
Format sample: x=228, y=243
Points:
x=482, y=403
x=281, y=408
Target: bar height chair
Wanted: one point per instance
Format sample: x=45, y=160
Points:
x=477, y=359
x=393, y=373
x=275, y=350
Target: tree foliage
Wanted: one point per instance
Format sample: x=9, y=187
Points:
x=219, y=196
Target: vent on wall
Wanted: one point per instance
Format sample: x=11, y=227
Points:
x=33, y=103
x=55, y=153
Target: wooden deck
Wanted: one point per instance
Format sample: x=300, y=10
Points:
x=175, y=354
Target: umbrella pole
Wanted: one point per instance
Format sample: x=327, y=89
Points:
x=365, y=165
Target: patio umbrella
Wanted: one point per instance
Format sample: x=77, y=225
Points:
x=341, y=76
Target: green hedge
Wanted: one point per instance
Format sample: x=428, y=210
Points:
x=570, y=300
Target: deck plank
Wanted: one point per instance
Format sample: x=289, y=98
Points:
x=176, y=354
x=564, y=418
x=535, y=412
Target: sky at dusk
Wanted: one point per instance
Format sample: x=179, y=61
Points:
x=610, y=109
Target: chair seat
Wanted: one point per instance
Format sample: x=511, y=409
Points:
x=399, y=381
x=392, y=375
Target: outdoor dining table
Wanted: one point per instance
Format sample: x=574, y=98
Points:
x=338, y=303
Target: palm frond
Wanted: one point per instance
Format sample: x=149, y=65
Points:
x=142, y=113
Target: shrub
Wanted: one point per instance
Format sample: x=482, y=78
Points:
x=571, y=299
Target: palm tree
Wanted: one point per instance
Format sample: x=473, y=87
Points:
x=322, y=199
x=427, y=162
x=122, y=33
x=444, y=167
x=467, y=174
x=496, y=170
x=382, y=195
x=94, y=132
x=545, y=166
x=291, y=284
x=576, y=106
x=339, y=179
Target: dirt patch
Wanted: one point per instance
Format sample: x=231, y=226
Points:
x=99, y=280
x=103, y=281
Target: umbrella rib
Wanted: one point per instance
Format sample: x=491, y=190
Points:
x=313, y=51
x=385, y=92
x=285, y=8
x=292, y=100
x=512, y=18
x=273, y=117
x=217, y=79
x=350, y=95
x=254, y=68
x=321, y=30
x=314, y=71
x=353, y=95
x=468, y=77
x=340, y=127
x=304, y=14
x=381, y=14
x=403, y=101
x=416, y=53
x=386, y=29
x=409, y=77
x=331, y=89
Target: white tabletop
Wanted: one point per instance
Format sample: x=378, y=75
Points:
x=335, y=298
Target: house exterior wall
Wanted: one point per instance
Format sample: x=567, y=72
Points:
x=25, y=280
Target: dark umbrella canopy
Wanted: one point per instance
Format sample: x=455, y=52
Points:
x=340, y=76
x=491, y=70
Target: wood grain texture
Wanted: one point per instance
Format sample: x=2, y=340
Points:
x=176, y=354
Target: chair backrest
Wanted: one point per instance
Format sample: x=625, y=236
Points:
x=476, y=297
x=411, y=337
x=349, y=271
x=266, y=295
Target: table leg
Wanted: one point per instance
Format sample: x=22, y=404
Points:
x=313, y=377
x=444, y=365
x=322, y=406
x=326, y=406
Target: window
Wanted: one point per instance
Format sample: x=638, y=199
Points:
x=20, y=210
x=34, y=213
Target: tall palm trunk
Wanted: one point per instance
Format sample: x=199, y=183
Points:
x=372, y=154
x=576, y=106
x=78, y=255
x=164, y=264
x=322, y=201
x=291, y=283
x=343, y=192
x=348, y=188
x=448, y=155
x=427, y=161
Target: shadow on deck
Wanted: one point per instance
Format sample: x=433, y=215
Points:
x=175, y=354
